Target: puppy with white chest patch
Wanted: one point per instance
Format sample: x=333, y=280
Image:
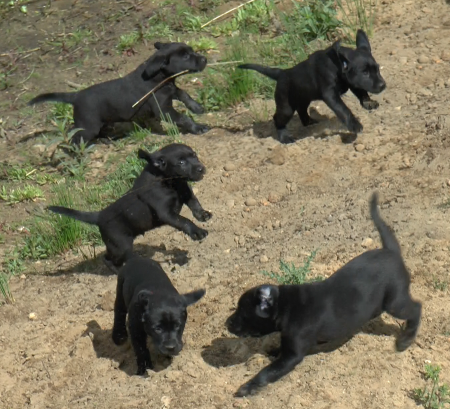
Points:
x=154, y=308
x=330, y=310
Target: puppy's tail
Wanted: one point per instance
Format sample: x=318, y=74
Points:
x=273, y=73
x=387, y=236
x=86, y=217
x=67, y=97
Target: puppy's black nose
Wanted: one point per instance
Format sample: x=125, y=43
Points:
x=201, y=169
x=383, y=85
x=203, y=60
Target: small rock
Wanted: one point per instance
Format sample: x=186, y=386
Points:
x=32, y=316
x=108, y=299
x=277, y=156
x=229, y=167
x=445, y=55
x=264, y=259
x=448, y=182
x=403, y=60
x=250, y=202
x=40, y=148
x=423, y=59
x=23, y=277
x=359, y=147
x=425, y=92
x=367, y=242
x=274, y=197
x=230, y=203
x=330, y=218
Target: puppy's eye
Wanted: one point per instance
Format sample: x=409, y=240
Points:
x=158, y=330
x=186, y=56
x=182, y=162
x=366, y=72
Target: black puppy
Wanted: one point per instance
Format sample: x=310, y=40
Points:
x=155, y=199
x=325, y=76
x=329, y=310
x=112, y=101
x=154, y=307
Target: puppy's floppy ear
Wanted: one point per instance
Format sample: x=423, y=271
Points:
x=193, y=296
x=155, y=63
x=144, y=155
x=362, y=41
x=158, y=160
x=158, y=45
x=143, y=298
x=267, y=296
x=341, y=56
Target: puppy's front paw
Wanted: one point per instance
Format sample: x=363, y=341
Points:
x=246, y=390
x=198, y=234
x=119, y=337
x=370, y=104
x=203, y=215
x=355, y=126
x=284, y=137
x=143, y=366
x=196, y=108
x=200, y=128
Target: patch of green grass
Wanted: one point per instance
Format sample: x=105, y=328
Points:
x=203, y=44
x=12, y=265
x=357, y=14
x=61, y=112
x=20, y=173
x=79, y=36
x=128, y=41
x=22, y=194
x=158, y=30
x=445, y=205
x=433, y=395
x=290, y=274
x=439, y=284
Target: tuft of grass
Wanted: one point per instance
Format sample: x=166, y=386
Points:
x=20, y=173
x=445, y=205
x=203, y=44
x=433, y=395
x=12, y=265
x=22, y=194
x=290, y=274
x=61, y=112
x=439, y=284
x=357, y=14
x=128, y=41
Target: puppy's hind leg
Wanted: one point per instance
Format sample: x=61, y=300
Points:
x=304, y=116
x=405, y=308
x=89, y=127
x=119, y=332
x=283, y=115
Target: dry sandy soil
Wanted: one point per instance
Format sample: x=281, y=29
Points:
x=312, y=194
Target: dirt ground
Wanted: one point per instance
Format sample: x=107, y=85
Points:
x=309, y=195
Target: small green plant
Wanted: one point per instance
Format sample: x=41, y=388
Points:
x=445, y=204
x=78, y=36
x=22, y=194
x=61, y=112
x=203, y=44
x=12, y=265
x=192, y=23
x=128, y=41
x=357, y=14
x=435, y=397
x=439, y=284
x=290, y=274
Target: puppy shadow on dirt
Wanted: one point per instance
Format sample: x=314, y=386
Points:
x=93, y=262
x=123, y=356
x=225, y=352
x=325, y=127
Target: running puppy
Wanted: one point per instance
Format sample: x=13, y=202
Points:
x=325, y=76
x=112, y=101
x=154, y=308
x=330, y=310
x=155, y=199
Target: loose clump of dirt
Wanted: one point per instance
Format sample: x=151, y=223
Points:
x=269, y=202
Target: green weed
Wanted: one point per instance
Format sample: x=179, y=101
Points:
x=357, y=14
x=12, y=265
x=203, y=44
x=290, y=274
x=22, y=194
x=439, y=284
x=128, y=41
x=434, y=396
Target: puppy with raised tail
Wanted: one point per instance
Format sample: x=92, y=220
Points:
x=325, y=76
x=154, y=308
x=333, y=309
x=156, y=199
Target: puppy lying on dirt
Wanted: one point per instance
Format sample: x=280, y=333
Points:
x=330, y=310
x=154, y=308
x=155, y=199
x=325, y=76
x=112, y=101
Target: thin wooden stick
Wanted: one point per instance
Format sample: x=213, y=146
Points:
x=227, y=12
x=158, y=86
x=224, y=63
x=20, y=52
